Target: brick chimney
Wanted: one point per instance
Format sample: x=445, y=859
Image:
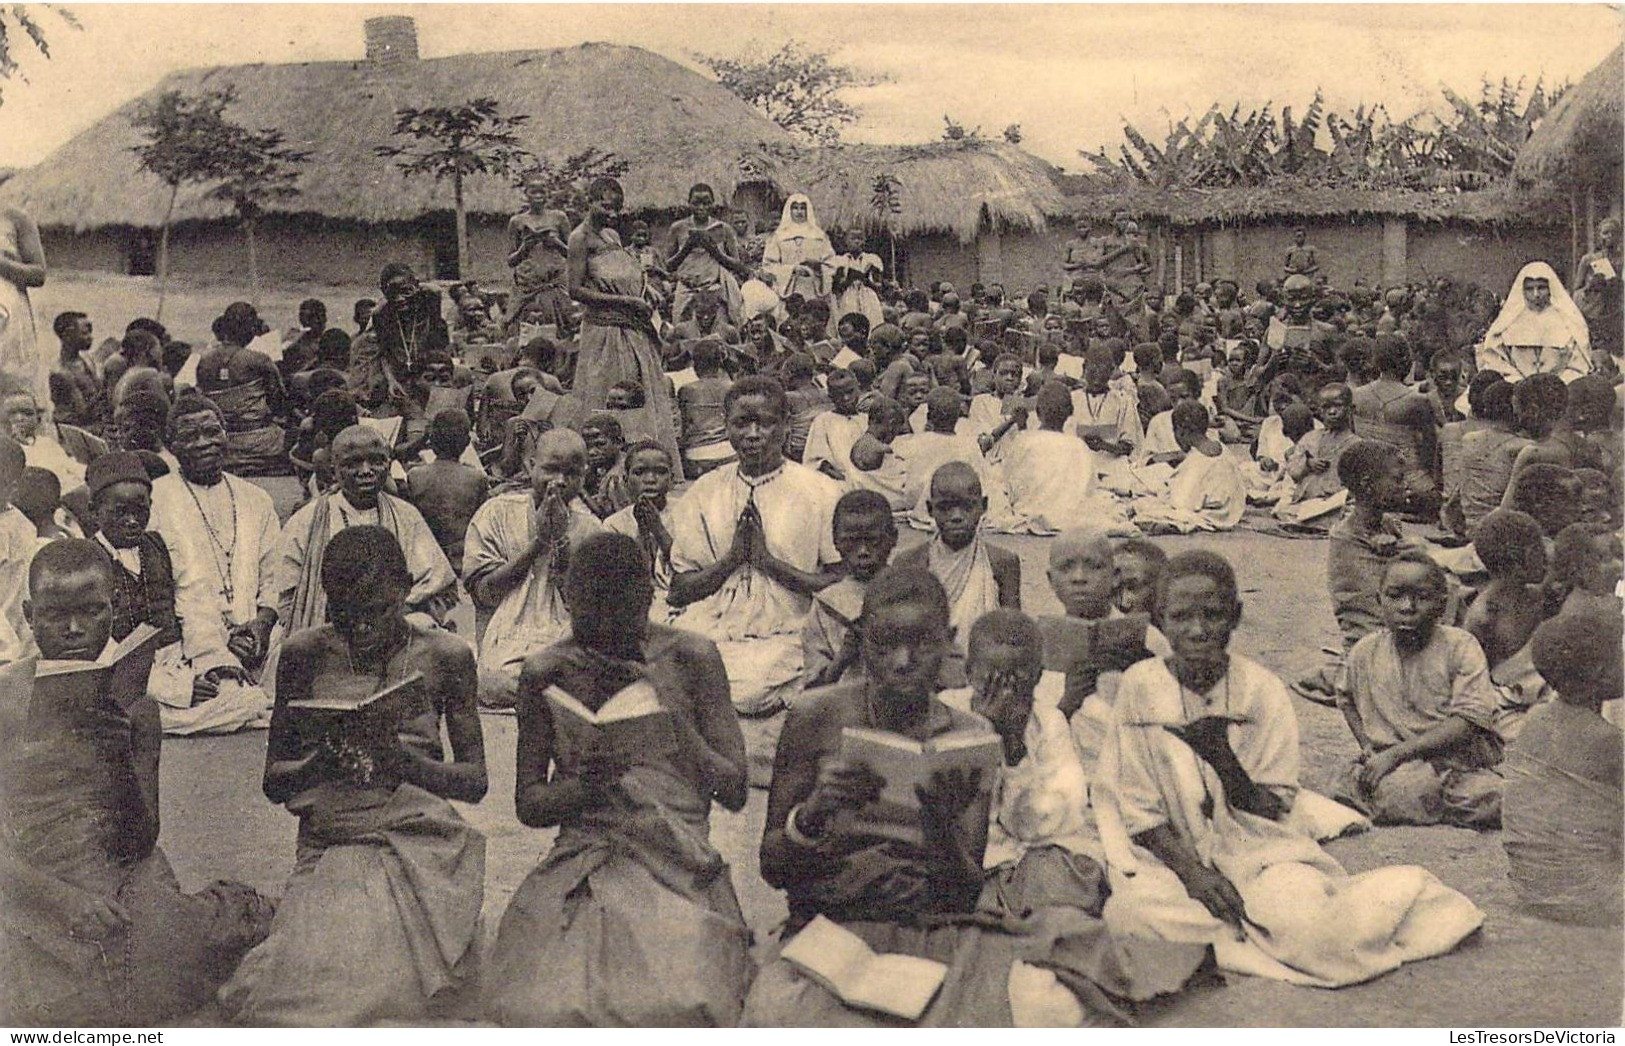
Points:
x=392, y=38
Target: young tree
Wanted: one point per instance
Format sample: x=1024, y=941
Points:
x=455, y=142
x=886, y=202
x=185, y=135
x=27, y=24
x=796, y=87
x=255, y=168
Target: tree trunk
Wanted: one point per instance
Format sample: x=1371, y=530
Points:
x=462, y=224
x=163, y=250
x=253, y=262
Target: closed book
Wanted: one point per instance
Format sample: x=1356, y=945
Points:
x=630, y=727
x=882, y=982
x=907, y=765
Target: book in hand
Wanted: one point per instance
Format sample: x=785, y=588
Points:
x=907, y=765
x=631, y=727
x=66, y=690
x=351, y=712
x=898, y=985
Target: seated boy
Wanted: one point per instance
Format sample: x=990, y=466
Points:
x=1160, y=445
x=1364, y=540
x=1205, y=492
x=945, y=439
x=864, y=536
x=1504, y=616
x=446, y=491
x=39, y=498
x=603, y=487
x=833, y=432
x=977, y=574
x=1422, y=709
x=874, y=462
x=648, y=519
x=1562, y=810
x=96, y=929
x=1001, y=411
x=1312, y=462
x=1051, y=474
x=807, y=401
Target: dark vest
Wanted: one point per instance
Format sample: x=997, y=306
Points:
x=150, y=597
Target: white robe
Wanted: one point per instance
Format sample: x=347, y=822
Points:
x=1325, y=928
x=1555, y=340
x=923, y=453
x=1204, y=493
x=755, y=621
x=245, y=523
x=830, y=439
x=1050, y=477
x=532, y=616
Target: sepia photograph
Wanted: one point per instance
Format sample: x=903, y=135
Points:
x=861, y=515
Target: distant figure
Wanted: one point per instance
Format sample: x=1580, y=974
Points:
x=22, y=266
x=1301, y=258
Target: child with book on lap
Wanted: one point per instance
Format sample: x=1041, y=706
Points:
x=626, y=738
x=378, y=839
x=96, y=928
x=916, y=896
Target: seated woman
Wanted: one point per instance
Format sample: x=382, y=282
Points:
x=247, y=387
x=94, y=929
x=378, y=840
x=1202, y=767
x=915, y=898
x=1562, y=811
x=631, y=920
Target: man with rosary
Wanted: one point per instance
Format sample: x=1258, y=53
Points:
x=221, y=532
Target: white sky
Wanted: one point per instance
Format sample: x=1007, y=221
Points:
x=1069, y=74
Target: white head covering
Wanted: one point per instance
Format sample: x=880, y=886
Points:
x=1516, y=325
x=789, y=229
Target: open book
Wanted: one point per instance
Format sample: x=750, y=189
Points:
x=350, y=711
x=1083, y=650
x=907, y=764
x=630, y=727
x=899, y=985
x=65, y=691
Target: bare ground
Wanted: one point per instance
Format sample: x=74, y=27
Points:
x=1518, y=971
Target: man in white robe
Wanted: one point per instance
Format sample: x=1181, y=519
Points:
x=834, y=431
x=751, y=542
x=222, y=534
x=1051, y=475
x=360, y=463
x=517, y=545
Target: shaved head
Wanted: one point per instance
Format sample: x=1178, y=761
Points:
x=1071, y=543
x=955, y=479
x=357, y=436
x=560, y=441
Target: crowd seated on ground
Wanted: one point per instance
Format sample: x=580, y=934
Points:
x=677, y=481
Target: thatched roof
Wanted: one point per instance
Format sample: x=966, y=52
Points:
x=671, y=124
x=1579, y=141
x=945, y=187
x=1287, y=199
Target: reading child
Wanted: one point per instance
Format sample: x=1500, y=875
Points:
x=516, y=552
x=1422, y=709
x=648, y=519
x=378, y=840
x=1562, y=811
x=1202, y=771
x=97, y=931
x=631, y=919
x=446, y=491
x=864, y=536
x=897, y=896
x=1312, y=462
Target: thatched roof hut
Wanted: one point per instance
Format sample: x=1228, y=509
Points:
x=1579, y=143
x=1286, y=199
x=954, y=188
x=672, y=125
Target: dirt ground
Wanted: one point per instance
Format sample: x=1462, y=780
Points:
x=1518, y=971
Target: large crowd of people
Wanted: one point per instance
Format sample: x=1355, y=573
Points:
x=666, y=477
